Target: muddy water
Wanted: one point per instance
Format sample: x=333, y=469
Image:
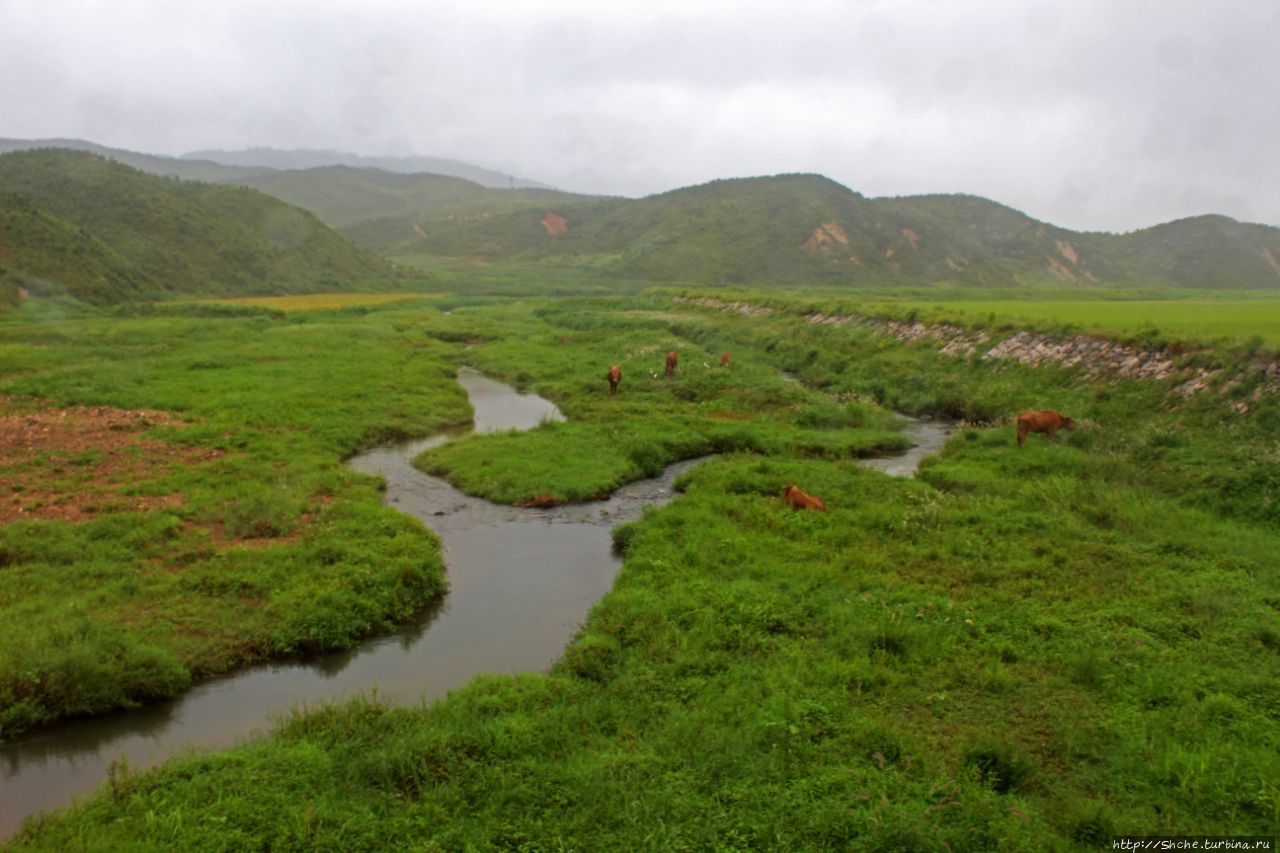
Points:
x=928, y=435
x=521, y=581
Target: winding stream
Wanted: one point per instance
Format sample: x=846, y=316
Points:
x=521, y=582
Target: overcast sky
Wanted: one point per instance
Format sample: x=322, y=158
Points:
x=1091, y=114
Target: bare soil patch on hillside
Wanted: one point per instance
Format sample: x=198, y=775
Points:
x=75, y=463
x=555, y=224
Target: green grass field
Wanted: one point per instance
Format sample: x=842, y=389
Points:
x=317, y=301
x=1021, y=649
x=1190, y=320
x=264, y=545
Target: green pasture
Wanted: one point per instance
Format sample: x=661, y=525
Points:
x=1198, y=321
x=1021, y=649
x=316, y=301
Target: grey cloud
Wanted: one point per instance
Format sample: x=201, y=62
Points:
x=1090, y=114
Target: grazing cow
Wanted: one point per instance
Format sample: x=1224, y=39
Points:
x=1047, y=421
x=614, y=377
x=724, y=359
x=671, y=362
x=793, y=497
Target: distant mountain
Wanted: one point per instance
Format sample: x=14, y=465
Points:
x=296, y=159
x=342, y=196
x=1204, y=251
x=785, y=229
x=188, y=169
x=794, y=229
x=101, y=231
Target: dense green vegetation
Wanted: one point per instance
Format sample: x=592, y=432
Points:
x=37, y=247
x=1022, y=649
x=75, y=223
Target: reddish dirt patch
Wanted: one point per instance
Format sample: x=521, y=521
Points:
x=75, y=463
x=913, y=237
x=417, y=229
x=555, y=224
x=826, y=238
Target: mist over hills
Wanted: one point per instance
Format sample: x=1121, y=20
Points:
x=343, y=195
x=784, y=229
x=303, y=158
x=154, y=164
x=75, y=222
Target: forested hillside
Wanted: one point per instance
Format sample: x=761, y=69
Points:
x=76, y=223
x=799, y=229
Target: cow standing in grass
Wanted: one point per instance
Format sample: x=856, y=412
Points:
x=793, y=497
x=1047, y=421
x=614, y=377
x=724, y=359
x=671, y=362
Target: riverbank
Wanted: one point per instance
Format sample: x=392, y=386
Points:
x=217, y=531
x=521, y=582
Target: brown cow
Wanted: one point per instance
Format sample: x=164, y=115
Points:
x=724, y=359
x=1047, y=421
x=793, y=497
x=671, y=362
x=614, y=377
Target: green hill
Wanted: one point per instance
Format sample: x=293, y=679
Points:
x=385, y=207
x=153, y=164
x=39, y=250
x=785, y=229
x=1204, y=251
x=809, y=229
x=102, y=231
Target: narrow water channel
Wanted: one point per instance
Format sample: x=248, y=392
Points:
x=521, y=582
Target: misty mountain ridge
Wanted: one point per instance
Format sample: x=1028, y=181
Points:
x=304, y=158
x=153, y=164
x=233, y=166
x=782, y=229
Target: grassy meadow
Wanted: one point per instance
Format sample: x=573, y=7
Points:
x=264, y=546
x=1199, y=321
x=1021, y=649
x=315, y=301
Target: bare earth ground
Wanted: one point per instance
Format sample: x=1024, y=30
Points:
x=74, y=463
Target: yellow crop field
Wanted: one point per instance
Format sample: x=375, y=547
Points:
x=317, y=301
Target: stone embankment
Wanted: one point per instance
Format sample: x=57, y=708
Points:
x=1097, y=356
